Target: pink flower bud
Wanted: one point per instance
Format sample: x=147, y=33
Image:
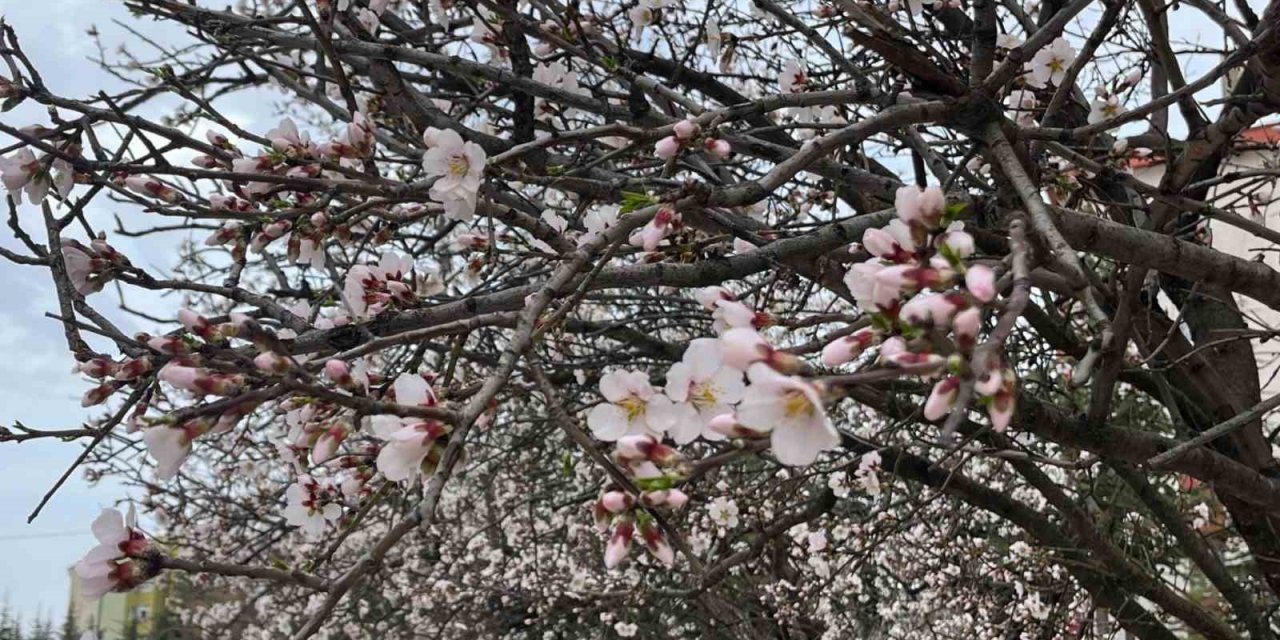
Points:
x=180, y=376
x=1002, y=406
x=907, y=204
x=338, y=372
x=725, y=424
x=932, y=204
x=879, y=243
x=271, y=362
x=97, y=395
x=958, y=244
x=981, y=282
x=215, y=138
x=718, y=148
x=989, y=383
x=619, y=543
x=676, y=499
x=644, y=447
x=846, y=348
x=667, y=148
x=132, y=368
x=95, y=367
x=328, y=443
x=276, y=229
x=616, y=501
x=932, y=309
x=657, y=544
x=967, y=323
x=205, y=162
x=685, y=130
x=170, y=345
x=942, y=398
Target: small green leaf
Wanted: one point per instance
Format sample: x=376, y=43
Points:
x=655, y=484
x=632, y=200
x=952, y=211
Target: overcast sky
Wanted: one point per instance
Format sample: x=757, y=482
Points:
x=36, y=387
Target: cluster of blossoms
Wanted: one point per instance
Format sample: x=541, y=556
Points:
x=122, y=560
x=312, y=505
x=412, y=445
x=706, y=397
x=371, y=234
x=90, y=267
x=370, y=289
x=685, y=134
x=24, y=172
x=921, y=296
x=291, y=154
x=654, y=467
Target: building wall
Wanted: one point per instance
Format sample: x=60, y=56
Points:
x=1255, y=198
x=109, y=615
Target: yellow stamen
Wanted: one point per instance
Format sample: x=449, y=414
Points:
x=703, y=396
x=633, y=406
x=458, y=165
x=796, y=403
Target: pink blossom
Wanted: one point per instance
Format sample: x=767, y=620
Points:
x=84, y=268
x=170, y=446
x=792, y=410
x=742, y=346
x=309, y=506
x=702, y=387
x=459, y=166
x=709, y=297
x=729, y=314
x=664, y=222
x=632, y=407
x=792, y=79
x=408, y=441
x=110, y=566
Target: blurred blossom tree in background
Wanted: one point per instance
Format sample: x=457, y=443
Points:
x=740, y=319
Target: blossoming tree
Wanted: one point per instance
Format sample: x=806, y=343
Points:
x=668, y=318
